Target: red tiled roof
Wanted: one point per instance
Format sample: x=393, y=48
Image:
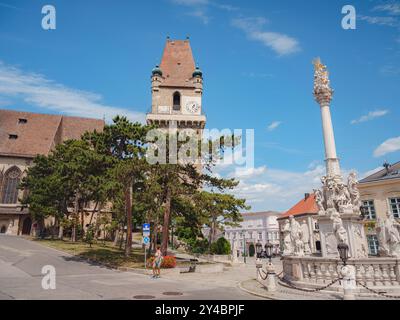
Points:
x=39, y=133
x=306, y=206
x=177, y=64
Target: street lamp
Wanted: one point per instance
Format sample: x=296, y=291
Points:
x=258, y=249
x=343, y=249
x=269, y=248
x=244, y=245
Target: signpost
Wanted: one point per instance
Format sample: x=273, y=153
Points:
x=145, y=240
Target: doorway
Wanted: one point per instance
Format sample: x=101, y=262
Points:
x=26, y=226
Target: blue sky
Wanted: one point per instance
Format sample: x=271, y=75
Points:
x=256, y=58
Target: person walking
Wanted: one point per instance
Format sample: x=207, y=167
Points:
x=158, y=258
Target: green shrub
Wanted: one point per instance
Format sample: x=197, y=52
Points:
x=221, y=247
x=252, y=250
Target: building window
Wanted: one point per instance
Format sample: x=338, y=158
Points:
x=177, y=101
x=395, y=206
x=373, y=245
x=369, y=209
x=10, y=186
x=260, y=236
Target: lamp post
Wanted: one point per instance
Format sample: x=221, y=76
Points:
x=348, y=273
x=258, y=249
x=244, y=246
x=271, y=279
x=269, y=248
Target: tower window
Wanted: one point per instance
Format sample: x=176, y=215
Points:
x=177, y=101
x=13, y=136
x=22, y=121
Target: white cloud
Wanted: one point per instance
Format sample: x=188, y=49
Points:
x=390, y=70
x=201, y=14
x=5, y=5
x=282, y=44
x=390, y=8
x=270, y=188
x=381, y=21
x=36, y=90
x=274, y=125
x=389, y=146
x=275, y=189
x=226, y=7
x=371, y=116
x=191, y=2
x=249, y=172
x=199, y=8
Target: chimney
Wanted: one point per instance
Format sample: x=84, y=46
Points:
x=306, y=196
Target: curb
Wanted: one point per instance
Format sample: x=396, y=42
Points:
x=239, y=285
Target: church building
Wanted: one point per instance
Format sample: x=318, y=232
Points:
x=24, y=135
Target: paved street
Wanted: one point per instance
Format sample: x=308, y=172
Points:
x=21, y=262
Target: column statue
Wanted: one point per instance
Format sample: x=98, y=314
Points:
x=296, y=237
x=287, y=241
x=338, y=229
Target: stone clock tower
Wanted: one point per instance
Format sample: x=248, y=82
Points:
x=177, y=88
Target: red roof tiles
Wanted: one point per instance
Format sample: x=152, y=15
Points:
x=38, y=133
x=177, y=64
x=306, y=206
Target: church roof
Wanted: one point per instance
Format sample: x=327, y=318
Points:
x=392, y=172
x=306, y=206
x=177, y=64
x=26, y=134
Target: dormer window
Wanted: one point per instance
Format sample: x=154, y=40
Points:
x=177, y=101
x=22, y=121
x=13, y=136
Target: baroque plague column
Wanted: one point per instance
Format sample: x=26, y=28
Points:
x=339, y=203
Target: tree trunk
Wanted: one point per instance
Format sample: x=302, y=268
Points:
x=82, y=224
x=155, y=237
x=60, y=231
x=167, y=213
x=93, y=212
x=116, y=238
x=128, y=203
x=121, y=239
x=75, y=221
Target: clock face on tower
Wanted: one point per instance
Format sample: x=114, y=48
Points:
x=192, y=107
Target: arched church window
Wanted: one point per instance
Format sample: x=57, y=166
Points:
x=10, y=186
x=177, y=101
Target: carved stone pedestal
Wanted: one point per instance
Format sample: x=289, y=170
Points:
x=357, y=241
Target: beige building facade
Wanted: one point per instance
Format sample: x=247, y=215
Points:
x=256, y=227
x=380, y=195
